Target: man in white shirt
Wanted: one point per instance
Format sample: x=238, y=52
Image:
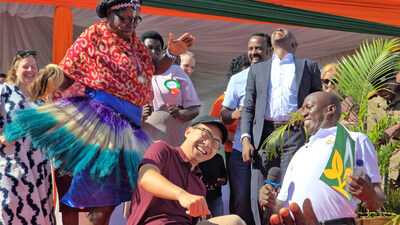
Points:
x=321, y=112
x=274, y=89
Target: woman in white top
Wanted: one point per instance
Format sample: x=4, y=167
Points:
x=175, y=100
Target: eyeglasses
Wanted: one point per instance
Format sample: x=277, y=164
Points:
x=333, y=81
x=24, y=53
x=135, y=20
x=206, y=134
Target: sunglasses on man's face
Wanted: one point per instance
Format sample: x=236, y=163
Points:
x=326, y=81
x=24, y=53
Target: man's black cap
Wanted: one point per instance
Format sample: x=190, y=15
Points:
x=213, y=120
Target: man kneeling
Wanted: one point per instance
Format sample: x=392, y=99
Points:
x=170, y=189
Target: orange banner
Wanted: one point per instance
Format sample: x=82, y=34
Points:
x=62, y=32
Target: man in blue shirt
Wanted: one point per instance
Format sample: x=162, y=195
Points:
x=239, y=172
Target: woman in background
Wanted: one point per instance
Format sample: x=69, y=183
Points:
x=329, y=79
x=329, y=84
x=175, y=100
x=25, y=177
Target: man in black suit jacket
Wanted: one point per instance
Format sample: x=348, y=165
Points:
x=275, y=88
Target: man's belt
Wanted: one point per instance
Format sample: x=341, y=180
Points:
x=275, y=124
x=341, y=221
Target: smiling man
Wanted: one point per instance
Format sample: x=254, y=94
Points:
x=239, y=172
x=321, y=112
x=187, y=62
x=274, y=89
x=170, y=189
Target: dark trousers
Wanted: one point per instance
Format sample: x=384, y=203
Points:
x=292, y=141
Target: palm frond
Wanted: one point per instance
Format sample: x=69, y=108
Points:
x=378, y=128
x=271, y=142
x=359, y=73
x=384, y=152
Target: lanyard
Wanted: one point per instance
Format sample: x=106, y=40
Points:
x=137, y=60
x=139, y=75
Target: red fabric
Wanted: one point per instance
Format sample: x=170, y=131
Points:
x=76, y=89
x=102, y=60
x=216, y=112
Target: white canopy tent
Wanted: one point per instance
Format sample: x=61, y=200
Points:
x=26, y=26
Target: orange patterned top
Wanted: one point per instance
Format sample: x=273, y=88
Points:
x=102, y=60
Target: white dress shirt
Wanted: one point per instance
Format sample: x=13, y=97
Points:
x=282, y=93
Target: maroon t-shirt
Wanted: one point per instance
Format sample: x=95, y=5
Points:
x=175, y=166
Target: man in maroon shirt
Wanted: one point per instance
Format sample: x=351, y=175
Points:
x=169, y=188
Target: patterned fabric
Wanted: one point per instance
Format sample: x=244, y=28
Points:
x=134, y=4
x=25, y=178
x=75, y=131
x=76, y=89
x=102, y=60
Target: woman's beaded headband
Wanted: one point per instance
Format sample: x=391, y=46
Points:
x=134, y=4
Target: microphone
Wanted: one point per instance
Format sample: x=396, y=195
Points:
x=274, y=178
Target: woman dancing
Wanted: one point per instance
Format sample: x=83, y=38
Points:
x=97, y=137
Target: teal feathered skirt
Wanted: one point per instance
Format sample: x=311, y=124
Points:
x=96, y=137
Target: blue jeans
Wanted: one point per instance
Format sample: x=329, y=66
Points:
x=216, y=207
x=239, y=175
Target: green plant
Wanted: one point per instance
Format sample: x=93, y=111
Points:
x=394, y=220
x=358, y=75
x=384, y=148
x=393, y=201
x=272, y=140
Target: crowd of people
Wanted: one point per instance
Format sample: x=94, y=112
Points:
x=118, y=118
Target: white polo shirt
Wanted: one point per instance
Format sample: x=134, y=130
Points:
x=302, y=176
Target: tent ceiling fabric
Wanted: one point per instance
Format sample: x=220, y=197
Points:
x=363, y=16
x=386, y=12
x=27, y=26
x=267, y=12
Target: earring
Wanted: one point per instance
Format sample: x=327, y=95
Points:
x=16, y=81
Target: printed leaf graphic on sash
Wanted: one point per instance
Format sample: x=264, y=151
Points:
x=172, y=86
x=337, y=168
x=341, y=162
